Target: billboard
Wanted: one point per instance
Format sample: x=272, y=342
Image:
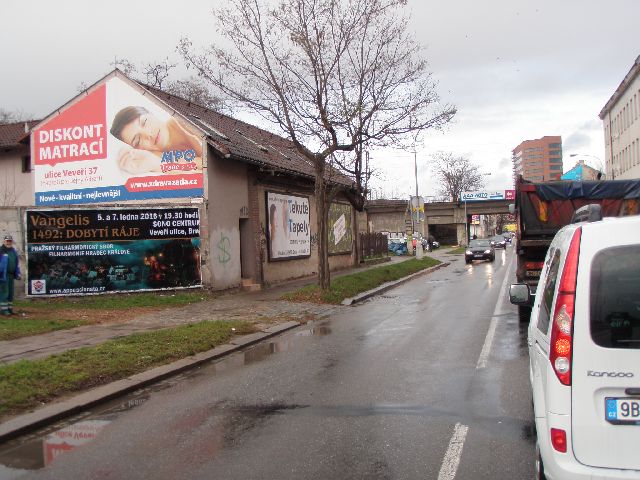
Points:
x=75, y=252
x=115, y=144
x=340, y=231
x=488, y=195
x=288, y=228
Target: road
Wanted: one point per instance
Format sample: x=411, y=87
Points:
x=428, y=381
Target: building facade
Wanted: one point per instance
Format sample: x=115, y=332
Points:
x=538, y=160
x=621, y=123
x=132, y=188
x=16, y=182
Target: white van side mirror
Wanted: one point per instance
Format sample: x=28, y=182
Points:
x=520, y=294
x=512, y=208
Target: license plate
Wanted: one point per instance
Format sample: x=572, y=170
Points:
x=477, y=256
x=622, y=410
x=533, y=273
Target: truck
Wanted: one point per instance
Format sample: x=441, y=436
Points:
x=541, y=209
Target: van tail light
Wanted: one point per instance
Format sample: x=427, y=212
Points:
x=559, y=440
x=562, y=327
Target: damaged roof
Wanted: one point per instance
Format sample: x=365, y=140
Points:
x=239, y=140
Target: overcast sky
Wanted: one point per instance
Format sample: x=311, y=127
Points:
x=515, y=69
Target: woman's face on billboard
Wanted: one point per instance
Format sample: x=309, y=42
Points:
x=146, y=132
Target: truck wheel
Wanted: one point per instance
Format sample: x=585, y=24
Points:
x=524, y=314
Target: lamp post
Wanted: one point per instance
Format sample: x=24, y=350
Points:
x=599, y=166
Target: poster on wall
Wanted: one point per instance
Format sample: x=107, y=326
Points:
x=76, y=252
x=288, y=226
x=115, y=144
x=340, y=231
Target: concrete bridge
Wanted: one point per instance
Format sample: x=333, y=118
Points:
x=444, y=220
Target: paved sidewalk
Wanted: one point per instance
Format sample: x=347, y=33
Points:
x=259, y=304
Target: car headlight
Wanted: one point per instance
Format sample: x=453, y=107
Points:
x=487, y=251
x=468, y=252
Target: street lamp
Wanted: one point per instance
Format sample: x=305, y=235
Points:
x=599, y=166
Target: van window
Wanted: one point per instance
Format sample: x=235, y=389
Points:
x=615, y=297
x=547, y=293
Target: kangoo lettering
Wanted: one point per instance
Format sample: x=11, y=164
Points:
x=591, y=373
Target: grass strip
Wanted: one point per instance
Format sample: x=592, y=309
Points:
x=121, y=301
x=28, y=383
x=457, y=250
x=347, y=286
x=17, y=327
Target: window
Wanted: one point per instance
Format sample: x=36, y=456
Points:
x=555, y=152
x=555, y=145
x=615, y=296
x=555, y=167
x=26, y=163
x=547, y=293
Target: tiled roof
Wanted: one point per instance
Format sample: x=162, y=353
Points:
x=245, y=142
x=11, y=133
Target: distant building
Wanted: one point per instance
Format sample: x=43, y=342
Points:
x=538, y=160
x=622, y=128
x=582, y=171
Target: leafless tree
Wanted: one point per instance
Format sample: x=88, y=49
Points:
x=158, y=74
x=456, y=174
x=13, y=116
x=332, y=75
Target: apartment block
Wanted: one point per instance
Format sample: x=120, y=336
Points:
x=538, y=160
x=621, y=122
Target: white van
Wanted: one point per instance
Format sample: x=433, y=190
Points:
x=584, y=351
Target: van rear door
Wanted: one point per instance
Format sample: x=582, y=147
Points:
x=605, y=394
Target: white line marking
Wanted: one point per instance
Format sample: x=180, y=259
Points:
x=451, y=459
x=488, y=341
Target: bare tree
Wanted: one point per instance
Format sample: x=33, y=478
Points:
x=13, y=116
x=456, y=174
x=158, y=74
x=332, y=75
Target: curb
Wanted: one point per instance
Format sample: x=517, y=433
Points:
x=30, y=421
x=389, y=285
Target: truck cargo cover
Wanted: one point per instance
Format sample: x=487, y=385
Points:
x=622, y=189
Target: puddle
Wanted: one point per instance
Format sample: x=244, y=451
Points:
x=39, y=449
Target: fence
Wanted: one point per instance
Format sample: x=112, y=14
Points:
x=373, y=245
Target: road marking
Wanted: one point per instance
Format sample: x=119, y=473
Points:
x=488, y=341
x=451, y=459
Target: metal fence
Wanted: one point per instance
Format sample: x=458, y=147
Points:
x=373, y=245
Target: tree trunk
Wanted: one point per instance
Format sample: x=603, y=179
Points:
x=322, y=214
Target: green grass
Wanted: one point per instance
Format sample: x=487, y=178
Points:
x=121, y=301
x=27, y=383
x=350, y=285
x=458, y=250
x=17, y=327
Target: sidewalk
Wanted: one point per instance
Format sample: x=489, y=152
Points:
x=263, y=303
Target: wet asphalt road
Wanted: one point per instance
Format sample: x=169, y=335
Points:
x=428, y=381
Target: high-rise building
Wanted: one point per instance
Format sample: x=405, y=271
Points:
x=622, y=129
x=538, y=160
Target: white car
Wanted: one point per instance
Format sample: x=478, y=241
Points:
x=584, y=351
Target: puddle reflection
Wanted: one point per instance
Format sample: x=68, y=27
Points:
x=41, y=448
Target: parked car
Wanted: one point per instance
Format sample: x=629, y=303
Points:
x=498, y=241
x=480, y=249
x=584, y=350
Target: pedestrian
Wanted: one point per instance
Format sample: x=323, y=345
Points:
x=9, y=270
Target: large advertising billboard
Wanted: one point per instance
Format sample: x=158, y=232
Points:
x=112, y=145
x=75, y=252
x=340, y=231
x=288, y=226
